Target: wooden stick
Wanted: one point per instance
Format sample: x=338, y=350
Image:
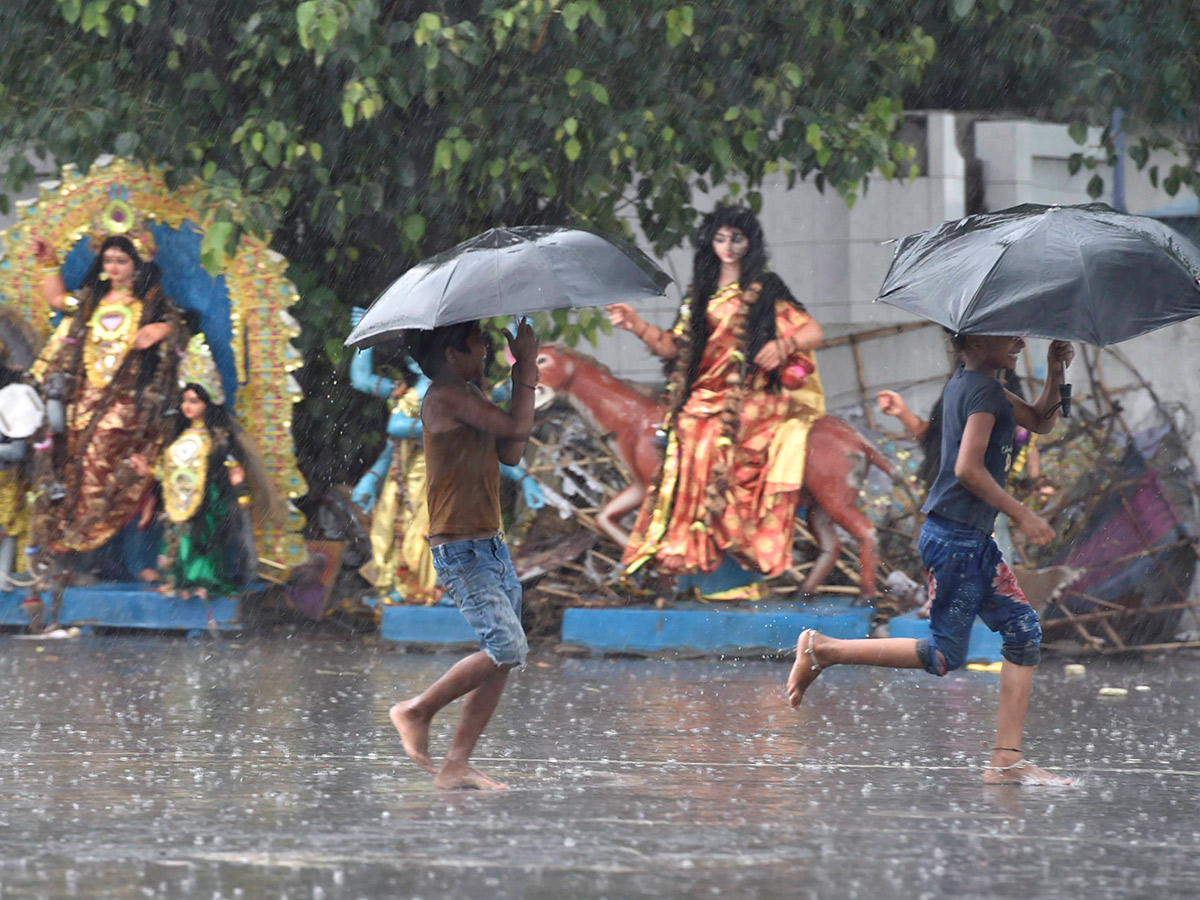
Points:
x=872, y=334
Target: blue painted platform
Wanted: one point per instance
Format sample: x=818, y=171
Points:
x=983, y=648
x=135, y=606
x=432, y=627
x=711, y=628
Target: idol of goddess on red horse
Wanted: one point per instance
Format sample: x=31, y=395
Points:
x=748, y=440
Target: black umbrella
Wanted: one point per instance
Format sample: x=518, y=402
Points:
x=509, y=272
x=1074, y=273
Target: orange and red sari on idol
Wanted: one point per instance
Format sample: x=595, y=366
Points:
x=763, y=466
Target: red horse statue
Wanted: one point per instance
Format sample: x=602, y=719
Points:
x=834, y=471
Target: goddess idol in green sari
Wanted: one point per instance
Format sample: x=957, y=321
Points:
x=210, y=477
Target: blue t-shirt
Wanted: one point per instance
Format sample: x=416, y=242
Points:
x=968, y=393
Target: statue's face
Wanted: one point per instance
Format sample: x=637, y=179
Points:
x=118, y=266
x=191, y=406
x=730, y=244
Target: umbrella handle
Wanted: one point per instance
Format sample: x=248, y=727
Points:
x=1064, y=394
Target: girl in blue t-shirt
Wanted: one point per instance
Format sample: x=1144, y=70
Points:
x=967, y=574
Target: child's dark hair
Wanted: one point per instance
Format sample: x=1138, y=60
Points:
x=428, y=348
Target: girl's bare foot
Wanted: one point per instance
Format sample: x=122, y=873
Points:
x=150, y=576
x=413, y=727
x=806, y=668
x=460, y=777
x=1009, y=768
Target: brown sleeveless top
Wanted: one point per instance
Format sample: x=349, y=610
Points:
x=463, y=481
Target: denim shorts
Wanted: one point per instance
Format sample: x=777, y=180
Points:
x=968, y=577
x=480, y=579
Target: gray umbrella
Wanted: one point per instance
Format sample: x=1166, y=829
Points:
x=510, y=272
x=1073, y=273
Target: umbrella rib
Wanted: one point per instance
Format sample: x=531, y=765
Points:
x=970, y=307
x=1088, y=281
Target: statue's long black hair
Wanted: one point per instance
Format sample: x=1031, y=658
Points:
x=706, y=271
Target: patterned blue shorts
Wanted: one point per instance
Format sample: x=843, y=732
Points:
x=480, y=579
x=968, y=577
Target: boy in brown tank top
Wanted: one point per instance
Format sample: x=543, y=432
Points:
x=466, y=438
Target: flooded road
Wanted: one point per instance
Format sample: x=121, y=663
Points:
x=155, y=767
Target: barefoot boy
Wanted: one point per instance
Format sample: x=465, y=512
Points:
x=967, y=575
x=466, y=438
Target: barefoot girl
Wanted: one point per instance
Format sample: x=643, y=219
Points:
x=967, y=575
x=467, y=437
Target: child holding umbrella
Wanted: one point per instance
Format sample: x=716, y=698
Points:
x=967, y=574
x=466, y=438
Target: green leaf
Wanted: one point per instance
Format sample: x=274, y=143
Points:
x=414, y=228
x=70, y=10
x=1095, y=187
x=1074, y=163
x=128, y=14
x=327, y=27
x=257, y=141
x=600, y=92
x=1078, y=132
x=496, y=169
x=305, y=13
x=962, y=8
x=462, y=149
x=570, y=126
x=316, y=150
x=126, y=143
x=348, y=113
x=571, y=14
x=173, y=62
x=179, y=36
x=723, y=152
x=572, y=77
x=443, y=155
x=213, y=247
x=572, y=149
x=750, y=141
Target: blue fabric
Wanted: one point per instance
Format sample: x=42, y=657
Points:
x=968, y=393
x=967, y=578
x=479, y=576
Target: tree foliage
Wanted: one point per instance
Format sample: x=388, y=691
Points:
x=363, y=134
x=1075, y=61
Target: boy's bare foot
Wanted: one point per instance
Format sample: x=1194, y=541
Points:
x=806, y=668
x=1023, y=772
x=414, y=734
x=458, y=777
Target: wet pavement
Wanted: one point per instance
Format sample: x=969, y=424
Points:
x=156, y=767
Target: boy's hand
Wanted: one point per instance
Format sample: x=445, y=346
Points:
x=1060, y=353
x=524, y=344
x=1036, y=528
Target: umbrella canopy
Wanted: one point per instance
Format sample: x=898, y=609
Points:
x=510, y=272
x=1074, y=273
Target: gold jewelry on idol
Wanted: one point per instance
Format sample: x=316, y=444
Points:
x=198, y=367
x=183, y=471
x=111, y=331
